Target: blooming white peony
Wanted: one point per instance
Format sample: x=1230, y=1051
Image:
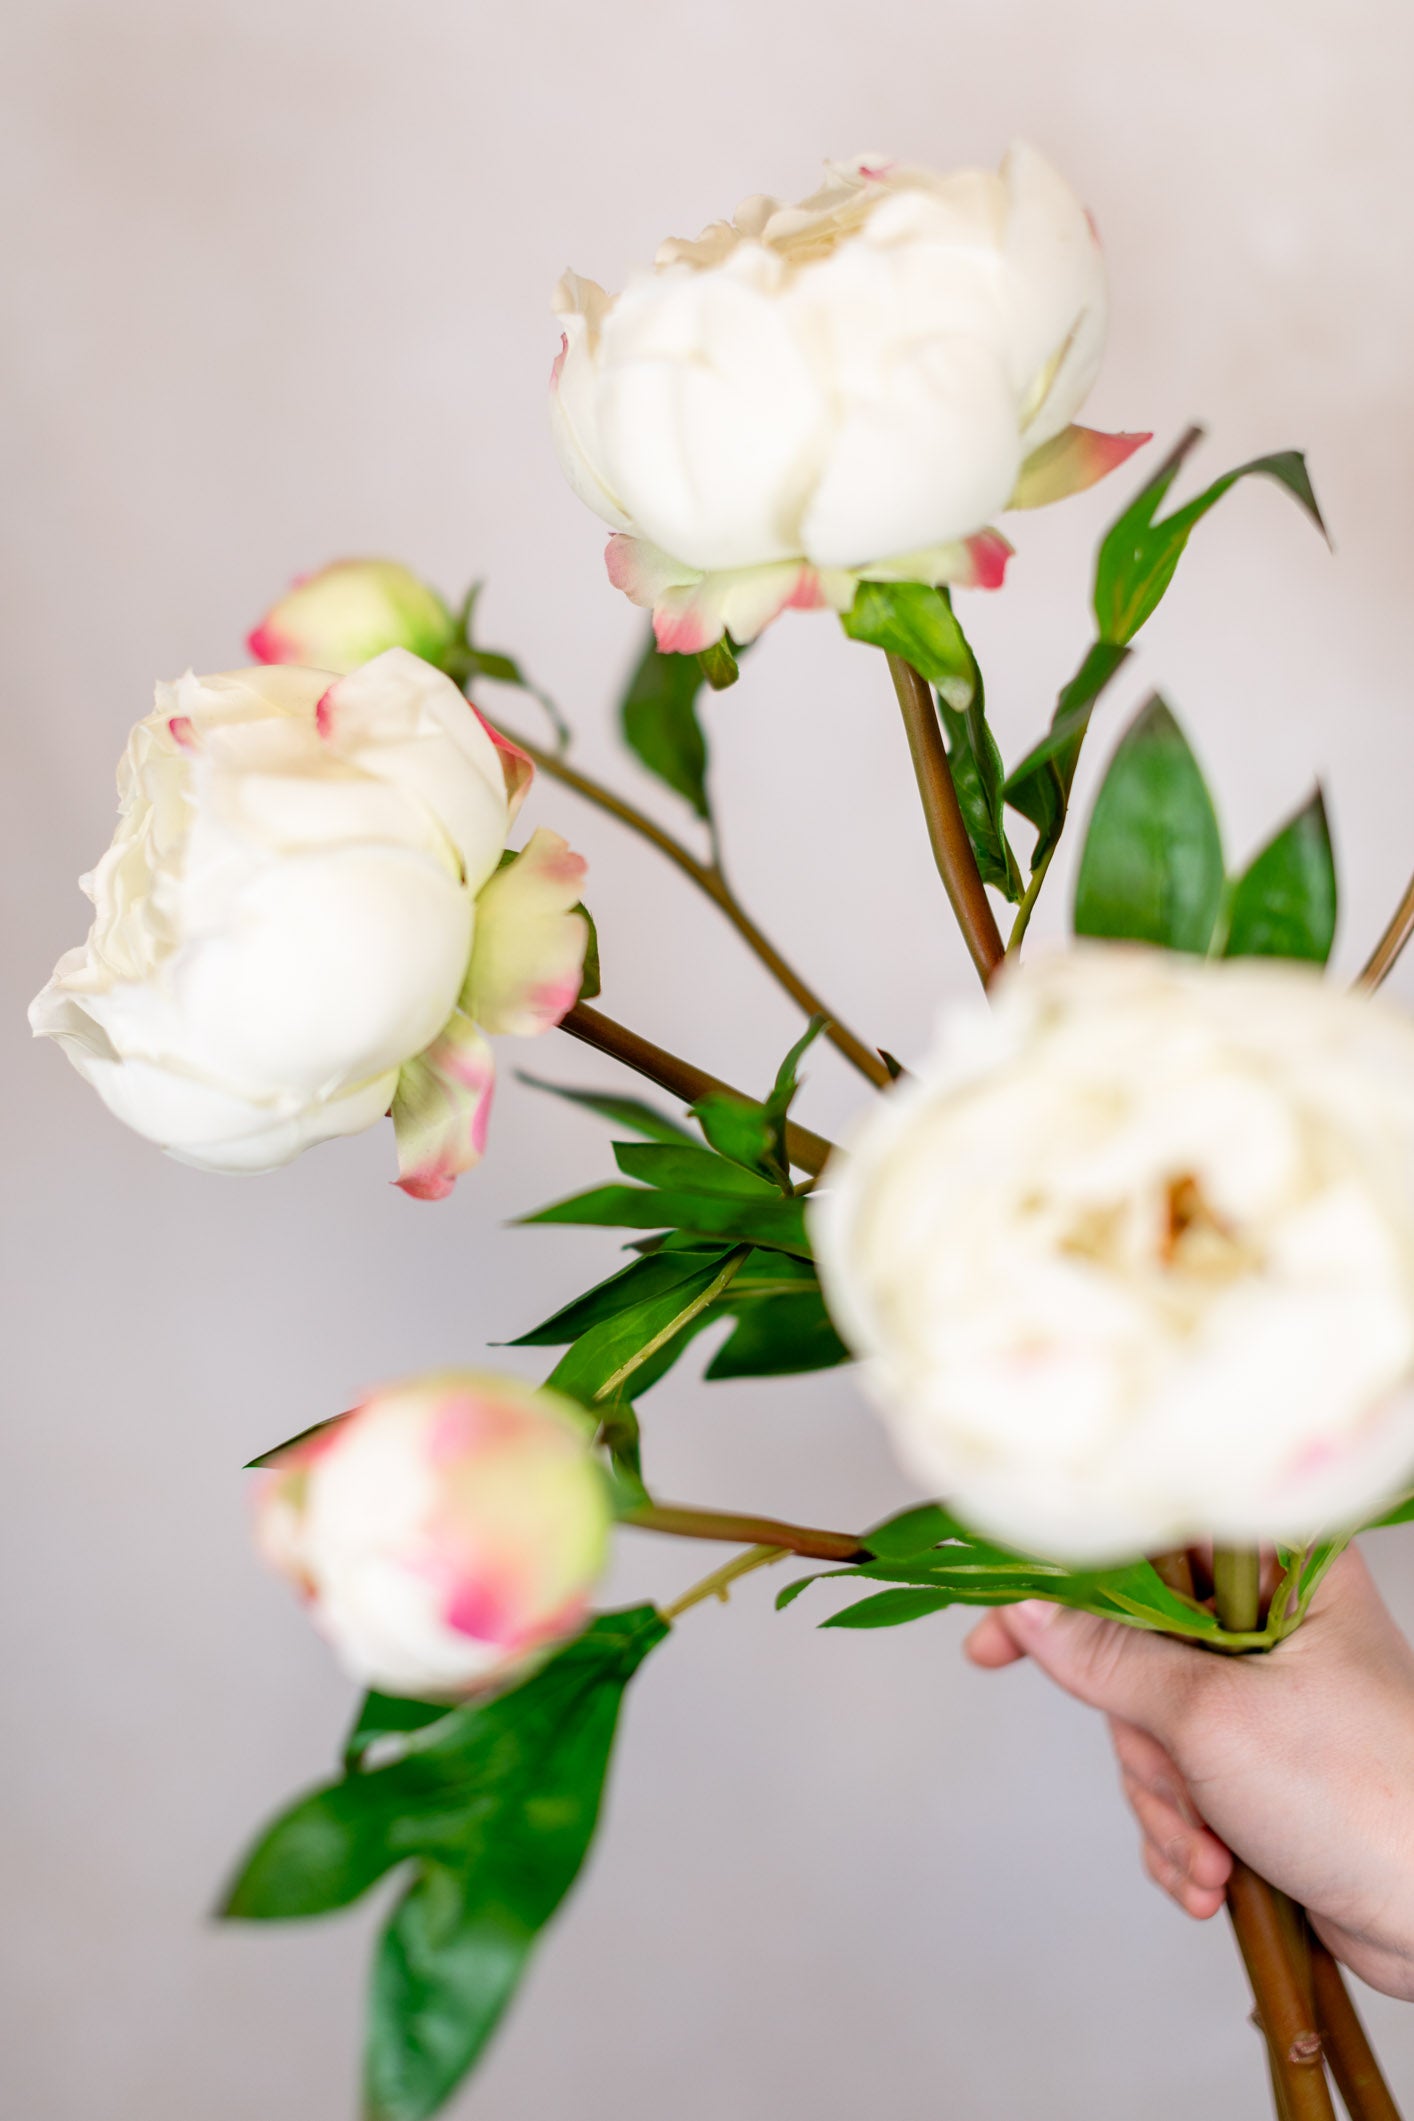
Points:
x=302, y=921
x=849, y=388
x=444, y=1532
x=1131, y=1261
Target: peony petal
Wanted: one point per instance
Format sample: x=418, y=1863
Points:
x=441, y=1110
x=1072, y=460
x=691, y=610
x=518, y=769
x=527, y=956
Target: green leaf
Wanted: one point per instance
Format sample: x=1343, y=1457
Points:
x=911, y=620
x=277, y=1451
x=383, y=1717
x=1139, y=554
x=495, y=1804
x=752, y=1132
x=592, y=1369
x=658, y=715
x=1284, y=903
x=979, y=778
x=642, y=1278
x=619, y=1435
x=628, y=1112
x=890, y=1609
x=1152, y=868
x=719, y=664
x=687, y=1167
x=913, y=1532
x=1400, y=1513
x=777, y=1224
x=1040, y=786
x=777, y=1336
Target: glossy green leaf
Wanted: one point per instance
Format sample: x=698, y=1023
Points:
x=494, y=1804
x=1284, y=903
x=751, y=1133
x=1039, y=788
x=278, y=1450
x=389, y=1717
x=779, y=1224
x=594, y=1366
x=1139, y=554
x=979, y=778
x=890, y=1609
x=642, y=1279
x=658, y=715
x=1152, y=867
x=911, y=620
x=1401, y=1512
x=630, y=1112
x=914, y=1532
x=684, y=1165
x=778, y=1336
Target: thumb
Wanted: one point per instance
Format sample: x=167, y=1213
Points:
x=1143, y=1678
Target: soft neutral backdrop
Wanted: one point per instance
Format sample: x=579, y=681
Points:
x=278, y=275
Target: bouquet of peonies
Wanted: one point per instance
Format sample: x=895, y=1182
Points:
x=1127, y=1260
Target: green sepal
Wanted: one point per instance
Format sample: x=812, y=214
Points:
x=913, y=621
x=1284, y=903
x=590, y=982
x=1152, y=866
x=719, y=664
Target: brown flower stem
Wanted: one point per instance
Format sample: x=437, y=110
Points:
x=710, y=879
x=947, y=832
x=679, y=1077
x=1386, y=952
x=1289, y=2023
x=1352, y=2060
x=1176, y=1570
x=683, y=1523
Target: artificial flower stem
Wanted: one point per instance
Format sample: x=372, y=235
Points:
x=710, y=879
x=1352, y=2061
x=682, y=1523
x=1293, y=2042
x=1237, y=1588
x=1027, y=907
x=720, y=1581
x=679, y=1077
x=947, y=831
x=1385, y=954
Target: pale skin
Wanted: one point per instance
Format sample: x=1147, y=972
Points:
x=1300, y=1761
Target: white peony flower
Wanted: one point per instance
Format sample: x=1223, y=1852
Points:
x=849, y=388
x=302, y=921
x=445, y=1532
x=1131, y=1261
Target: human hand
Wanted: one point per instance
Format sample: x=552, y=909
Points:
x=1300, y=1761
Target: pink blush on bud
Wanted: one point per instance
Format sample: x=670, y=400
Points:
x=180, y=729
x=268, y=645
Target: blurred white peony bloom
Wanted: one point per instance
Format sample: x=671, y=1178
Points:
x=445, y=1532
x=302, y=921
x=1131, y=1261
x=350, y=611
x=849, y=388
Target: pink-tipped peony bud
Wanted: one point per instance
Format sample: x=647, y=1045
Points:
x=351, y=611
x=444, y=1533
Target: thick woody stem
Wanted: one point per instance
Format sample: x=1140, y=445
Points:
x=683, y=1523
x=1352, y=2060
x=947, y=832
x=679, y=1077
x=1237, y=1588
x=709, y=879
x=1293, y=2041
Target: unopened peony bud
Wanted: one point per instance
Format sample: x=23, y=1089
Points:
x=350, y=612
x=1130, y=1259
x=444, y=1533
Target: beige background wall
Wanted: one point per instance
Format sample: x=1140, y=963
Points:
x=277, y=275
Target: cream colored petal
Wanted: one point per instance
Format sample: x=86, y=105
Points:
x=527, y=957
